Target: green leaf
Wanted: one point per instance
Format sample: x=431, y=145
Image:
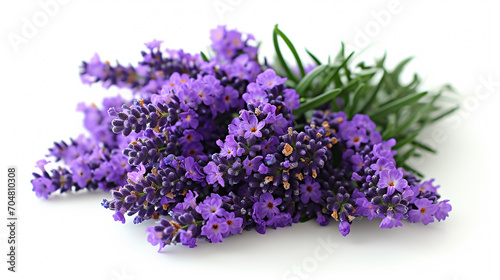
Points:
x=290, y=75
x=399, y=68
x=380, y=62
x=373, y=95
x=316, y=101
x=410, y=120
x=329, y=77
x=291, y=47
x=389, y=128
x=423, y=146
x=205, y=58
x=409, y=139
x=452, y=110
x=316, y=60
x=406, y=155
x=355, y=98
x=307, y=80
x=397, y=104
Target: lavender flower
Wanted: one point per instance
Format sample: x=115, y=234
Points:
x=211, y=207
x=267, y=206
x=392, y=180
x=268, y=79
x=213, y=174
x=424, y=212
x=310, y=190
x=43, y=187
x=214, y=229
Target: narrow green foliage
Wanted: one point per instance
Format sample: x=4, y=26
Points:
x=309, y=78
x=204, y=56
x=317, y=101
x=316, y=60
x=399, y=110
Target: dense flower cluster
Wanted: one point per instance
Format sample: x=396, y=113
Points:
x=88, y=162
x=373, y=185
x=209, y=148
x=148, y=76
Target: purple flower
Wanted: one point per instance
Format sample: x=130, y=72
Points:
x=366, y=208
x=255, y=95
x=357, y=162
x=428, y=186
x=153, y=44
x=269, y=146
x=213, y=174
x=234, y=224
x=375, y=137
x=392, y=180
x=280, y=220
x=355, y=137
x=268, y=79
x=94, y=68
x=189, y=119
x=291, y=99
x=176, y=80
x=190, y=98
x=270, y=159
x=187, y=239
x=230, y=97
x=391, y=220
x=339, y=118
x=203, y=91
x=270, y=110
x=81, y=173
x=267, y=206
x=310, y=190
x=193, y=170
x=236, y=127
x=211, y=207
x=252, y=165
x=41, y=164
x=217, y=106
x=443, y=209
x=253, y=127
x=118, y=216
x=190, y=136
x=344, y=228
x=383, y=150
x=138, y=175
x=323, y=220
x=43, y=187
x=363, y=121
x=263, y=169
x=424, y=212
x=194, y=149
x=382, y=164
x=154, y=237
x=103, y=171
x=230, y=147
x=217, y=34
x=164, y=97
x=214, y=229
x=190, y=199
x=234, y=39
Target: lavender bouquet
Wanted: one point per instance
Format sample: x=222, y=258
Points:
x=213, y=144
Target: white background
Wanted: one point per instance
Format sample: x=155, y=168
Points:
x=73, y=237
